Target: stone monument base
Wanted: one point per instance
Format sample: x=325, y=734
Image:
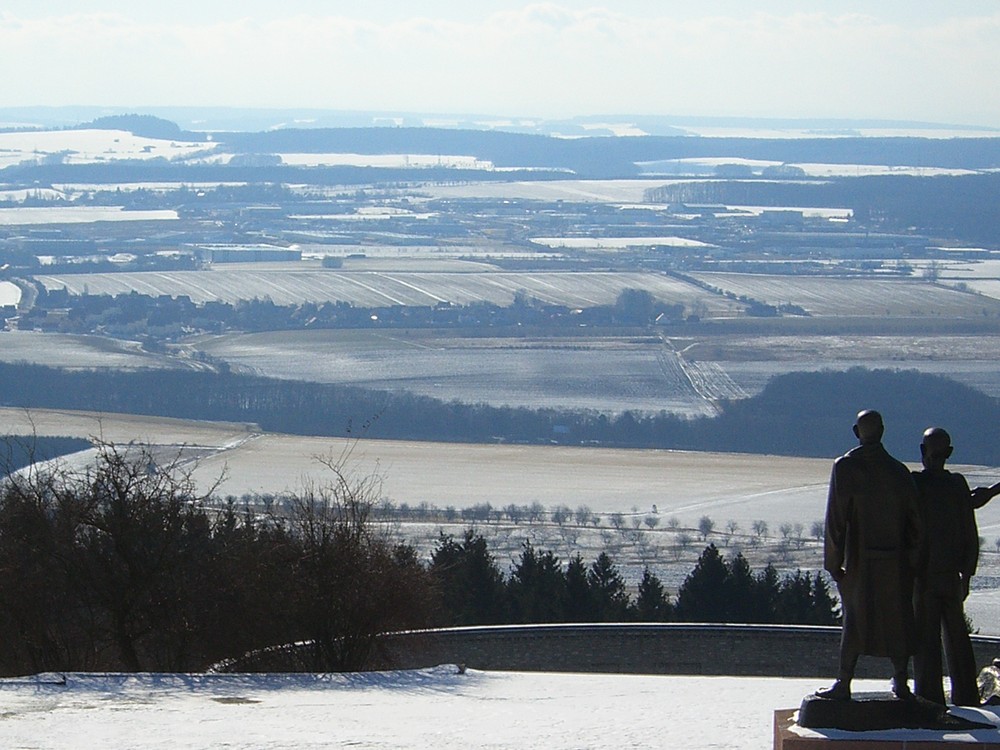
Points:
x=880, y=722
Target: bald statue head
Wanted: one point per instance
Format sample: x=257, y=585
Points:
x=868, y=426
x=935, y=448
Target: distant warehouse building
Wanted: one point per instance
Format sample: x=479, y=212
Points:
x=246, y=254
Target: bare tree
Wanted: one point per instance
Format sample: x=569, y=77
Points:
x=818, y=530
x=617, y=520
x=798, y=530
x=561, y=514
x=705, y=527
x=682, y=542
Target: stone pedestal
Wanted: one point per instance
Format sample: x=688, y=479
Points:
x=788, y=735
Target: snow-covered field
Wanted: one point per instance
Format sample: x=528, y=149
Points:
x=10, y=294
x=605, y=374
x=854, y=296
x=395, y=161
x=372, y=289
x=586, y=191
x=88, y=146
x=433, y=709
x=616, y=243
x=79, y=215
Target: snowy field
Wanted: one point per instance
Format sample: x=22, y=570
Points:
x=73, y=352
x=10, y=294
x=79, y=215
x=583, y=191
x=707, y=165
x=683, y=485
x=373, y=289
x=616, y=243
x=89, y=146
x=854, y=296
x=432, y=709
x=605, y=374
x=394, y=161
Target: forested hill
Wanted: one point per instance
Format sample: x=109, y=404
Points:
x=801, y=414
x=811, y=414
x=617, y=157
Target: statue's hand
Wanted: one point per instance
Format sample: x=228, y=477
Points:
x=838, y=574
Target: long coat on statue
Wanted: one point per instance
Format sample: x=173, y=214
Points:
x=873, y=534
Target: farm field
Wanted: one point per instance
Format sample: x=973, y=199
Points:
x=616, y=243
x=79, y=215
x=10, y=294
x=737, y=486
x=680, y=374
x=751, y=361
x=372, y=289
x=640, y=484
x=688, y=484
x=583, y=191
x=88, y=146
x=604, y=374
x=708, y=165
x=70, y=351
x=847, y=297
x=396, y=161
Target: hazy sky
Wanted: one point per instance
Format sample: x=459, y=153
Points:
x=775, y=58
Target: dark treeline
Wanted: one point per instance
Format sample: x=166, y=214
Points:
x=811, y=413
x=798, y=414
x=541, y=589
x=18, y=451
x=964, y=207
x=139, y=315
x=615, y=157
x=592, y=157
x=124, y=567
x=151, y=170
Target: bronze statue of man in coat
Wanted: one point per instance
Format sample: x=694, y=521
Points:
x=873, y=537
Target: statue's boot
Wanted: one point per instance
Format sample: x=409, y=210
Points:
x=901, y=687
x=838, y=691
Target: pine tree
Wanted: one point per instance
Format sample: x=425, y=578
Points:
x=469, y=583
x=652, y=603
x=742, y=591
x=794, y=603
x=767, y=584
x=825, y=608
x=537, y=587
x=579, y=602
x=607, y=588
x=703, y=596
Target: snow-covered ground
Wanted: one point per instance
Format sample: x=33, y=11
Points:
x=430, y=708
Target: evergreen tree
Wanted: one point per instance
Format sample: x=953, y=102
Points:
x=607, y=588
x=825, y=608
x=767, y=584
x=579, y=602
x=743, y=604
x=469, y=583
x=652, y=603
x=537, y=587
x=703, y=597
x=794, y=602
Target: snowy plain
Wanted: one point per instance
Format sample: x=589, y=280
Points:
x=429, y=708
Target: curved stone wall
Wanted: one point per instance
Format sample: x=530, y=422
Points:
x=673, y=648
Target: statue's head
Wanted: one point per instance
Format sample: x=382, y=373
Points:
x=868, y=426
x=935, y=448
